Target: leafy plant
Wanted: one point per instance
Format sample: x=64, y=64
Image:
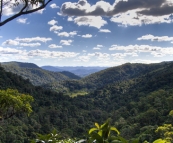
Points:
x=53, y=137
x=102, y=134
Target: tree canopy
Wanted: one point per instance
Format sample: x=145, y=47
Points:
x=12, y=102
x=11, y=9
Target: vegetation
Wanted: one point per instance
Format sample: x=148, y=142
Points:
x=36, y=75
x=137, y=105
x=12, y=102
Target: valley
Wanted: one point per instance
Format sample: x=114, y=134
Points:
x=137, y=98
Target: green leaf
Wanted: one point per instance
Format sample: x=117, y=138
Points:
x=97, y=125
x=92, y=129
x=97, y=137
x=160, y=141
x=115, y=129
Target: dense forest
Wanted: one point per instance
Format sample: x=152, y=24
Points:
x=137, y=98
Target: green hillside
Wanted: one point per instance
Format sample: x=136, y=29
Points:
x=36, y=75
x=137, y=104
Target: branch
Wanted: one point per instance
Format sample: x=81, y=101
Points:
x=1, y=10
x=22, y=12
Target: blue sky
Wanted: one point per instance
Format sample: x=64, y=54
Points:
x=90, y=33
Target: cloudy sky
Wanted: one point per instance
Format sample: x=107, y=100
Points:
x=90, y=33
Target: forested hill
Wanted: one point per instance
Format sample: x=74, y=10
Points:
x=115, y=75
x=136, y=106
x=35, y=74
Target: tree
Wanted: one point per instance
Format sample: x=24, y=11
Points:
x=20, y=7
x=12, y=102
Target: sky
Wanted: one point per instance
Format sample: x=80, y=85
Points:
x=90, y=33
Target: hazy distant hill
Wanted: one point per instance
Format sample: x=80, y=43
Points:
x=78, y=70
x=114, y=75
x=35, y=74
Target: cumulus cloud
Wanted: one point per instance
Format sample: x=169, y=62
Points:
x=105, y=30
x=83, y=58
x=66, y=34
x=124, y=12
x=54, y=46
x=98, y=47
x=22, y=20
x=66, y=42
x=10, y=42
x=52, y=22
x=53, y=5
x=87, y=36
x=40, y=11
x=91, y=21
x=7, y=51
x=56, y=28
x=40, y=39
x=30, y=44
x=102, y=8
x=51, y=54
x=156, y=38
x=26, y=42
x=153, y=50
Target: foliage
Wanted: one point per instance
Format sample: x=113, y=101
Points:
x=166, y=134
x=23, y=7
x=36, y=75
x=53, y=137
x=102, y=134
x=13, y=102
x=137, y=106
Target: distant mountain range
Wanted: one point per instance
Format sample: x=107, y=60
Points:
x=37, y=75
x=78, y=70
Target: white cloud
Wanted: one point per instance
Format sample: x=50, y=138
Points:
x=56, y=28
x=91, y=21
x=1, y=36
x=7, y=51
x=155, y=38
x=65, y=34
x=98, y=47
x=70, y=18
x=53, y=5
x=11, y=42
x=105, y=30
x=83, y=58
x=153, y=50
x=87, y=36
x=133, y=18
x=54, y=46
x=22, y=20
x=52, y=22
x=124, y=12
x=66, y=42
x=51, y=54
x=102, y=8
x=26, y=42
x=41, y=39
x=40, y=11
x=30, y=44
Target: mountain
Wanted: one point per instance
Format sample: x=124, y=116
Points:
x=79, y=70
x=137, y=102
x=35, y=74
x=112, y=75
